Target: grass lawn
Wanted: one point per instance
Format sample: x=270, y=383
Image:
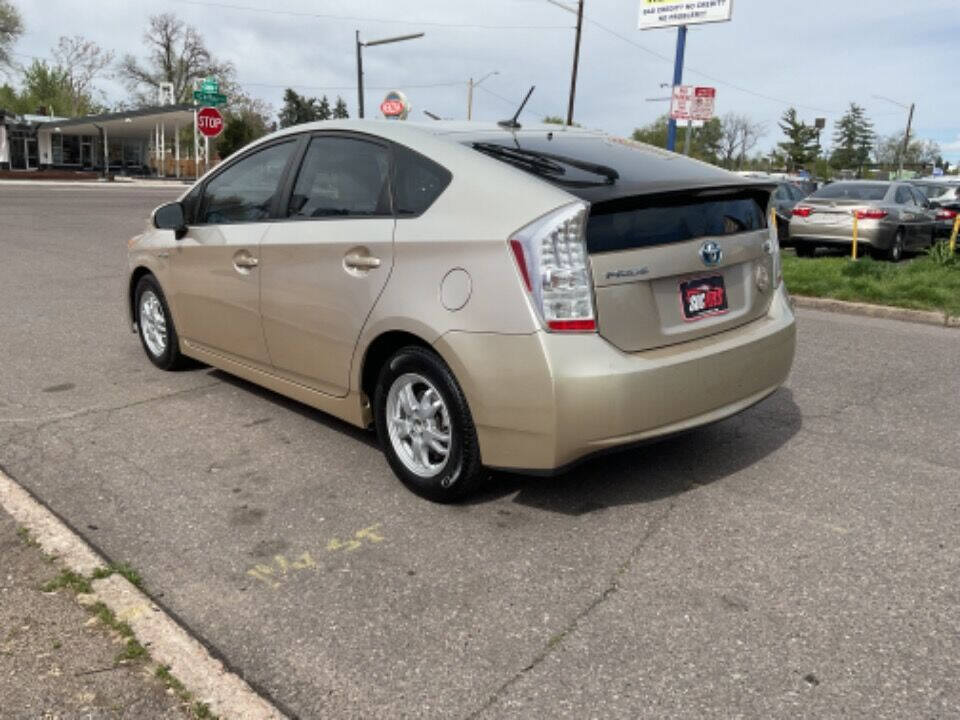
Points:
x=921, y=283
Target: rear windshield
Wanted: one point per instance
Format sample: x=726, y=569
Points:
x=851, y=191
x=932, y=191
x=660, y=220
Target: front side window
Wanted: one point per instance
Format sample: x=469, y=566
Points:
x=342, y=177
x=244, y=192
x=903, y=197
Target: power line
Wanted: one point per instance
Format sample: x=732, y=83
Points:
x=353, y=18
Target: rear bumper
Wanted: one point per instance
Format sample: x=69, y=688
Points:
x=869, y=233
x=542, y=401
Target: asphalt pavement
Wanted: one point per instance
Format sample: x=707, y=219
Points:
x=798, y=560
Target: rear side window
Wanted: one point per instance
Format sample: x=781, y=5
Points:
x=342, y=177
x=417, y=182
x=903, y=197
x=244, y=192
x=645, y=221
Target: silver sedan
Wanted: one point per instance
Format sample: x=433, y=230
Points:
x=892, y=218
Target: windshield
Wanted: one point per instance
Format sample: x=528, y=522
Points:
x=851, y=191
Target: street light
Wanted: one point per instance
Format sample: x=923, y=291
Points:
x=470, y=86
x=371, y=43
x=906, y=137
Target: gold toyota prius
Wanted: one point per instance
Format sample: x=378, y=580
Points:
x=485, y=296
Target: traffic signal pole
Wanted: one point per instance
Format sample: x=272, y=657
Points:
x=677, y=80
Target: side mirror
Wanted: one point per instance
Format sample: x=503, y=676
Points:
x=171, y=217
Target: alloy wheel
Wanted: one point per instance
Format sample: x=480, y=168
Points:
x=418, y=424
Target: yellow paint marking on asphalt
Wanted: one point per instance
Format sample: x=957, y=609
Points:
x=281, y=568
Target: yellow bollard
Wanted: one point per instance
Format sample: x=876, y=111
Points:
x=853, y=249
x=953, y=235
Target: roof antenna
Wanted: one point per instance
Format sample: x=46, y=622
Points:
x=431, y=115
x=512, y=123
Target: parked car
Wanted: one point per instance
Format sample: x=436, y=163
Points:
x=481, y=296
x=785, y=198
x=892, y=218
x=944, y=198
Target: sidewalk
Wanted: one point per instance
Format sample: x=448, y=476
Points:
x=57, y=660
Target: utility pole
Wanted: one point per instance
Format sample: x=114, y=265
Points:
x=576, y=62
x=359, y=76
x=906, y=143
x=470, y=86
x=576, y=52
x=677, y=80
x=360, y=46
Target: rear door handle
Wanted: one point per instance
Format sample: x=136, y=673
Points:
x=361, y=262
x=246, y=261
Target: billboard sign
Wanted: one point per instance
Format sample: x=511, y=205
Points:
x=670, y=13
x=692, y=103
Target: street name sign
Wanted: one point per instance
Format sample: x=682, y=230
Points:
x=209, y=122
x=692, y=103
x=205, y=98
x=670, y=13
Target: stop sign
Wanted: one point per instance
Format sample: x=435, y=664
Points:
x=209, y=121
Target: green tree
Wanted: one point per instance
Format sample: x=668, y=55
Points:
x=704, y=141
x=11, y=28
x=246, y=119
x=297, y=109
x=853, y=140
x=323, y=109
x=340, y=109
x=801, y=146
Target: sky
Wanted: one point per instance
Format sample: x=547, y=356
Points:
x=816, y=55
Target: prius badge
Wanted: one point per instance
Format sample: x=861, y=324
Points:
x=711, y=253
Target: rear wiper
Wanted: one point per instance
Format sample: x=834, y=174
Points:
x=548, y=164
x=521, y=157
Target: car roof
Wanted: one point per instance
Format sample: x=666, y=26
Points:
x=641, y=168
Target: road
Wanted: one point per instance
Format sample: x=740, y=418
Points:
x=799, y=560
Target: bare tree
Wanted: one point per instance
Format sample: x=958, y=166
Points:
x=11, y=28
x=177, y=55
x=80, y=61
x=739, y=135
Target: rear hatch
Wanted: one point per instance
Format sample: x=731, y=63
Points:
x=678, y=249
x=668, y=268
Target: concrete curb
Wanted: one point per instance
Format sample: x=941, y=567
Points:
x=925, y=317
x=226, y=694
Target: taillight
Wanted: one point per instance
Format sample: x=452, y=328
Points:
x=802, y=211
x=946, y=214
x=551, y=255
x=870, y=214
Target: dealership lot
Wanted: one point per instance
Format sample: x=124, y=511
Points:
x=799, y=559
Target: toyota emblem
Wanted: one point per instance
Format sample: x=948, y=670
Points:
x=711, y=253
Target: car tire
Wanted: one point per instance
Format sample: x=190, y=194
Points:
x=895, y=252
x=155, y=325
x=805, y=250
x=425, y=426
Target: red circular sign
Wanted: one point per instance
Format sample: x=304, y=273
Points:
x=391, y=107
x=209, y=121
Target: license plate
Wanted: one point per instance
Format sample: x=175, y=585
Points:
x=703, y=297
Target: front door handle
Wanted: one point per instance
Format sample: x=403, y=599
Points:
x=246, y=261
x=361, y=262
